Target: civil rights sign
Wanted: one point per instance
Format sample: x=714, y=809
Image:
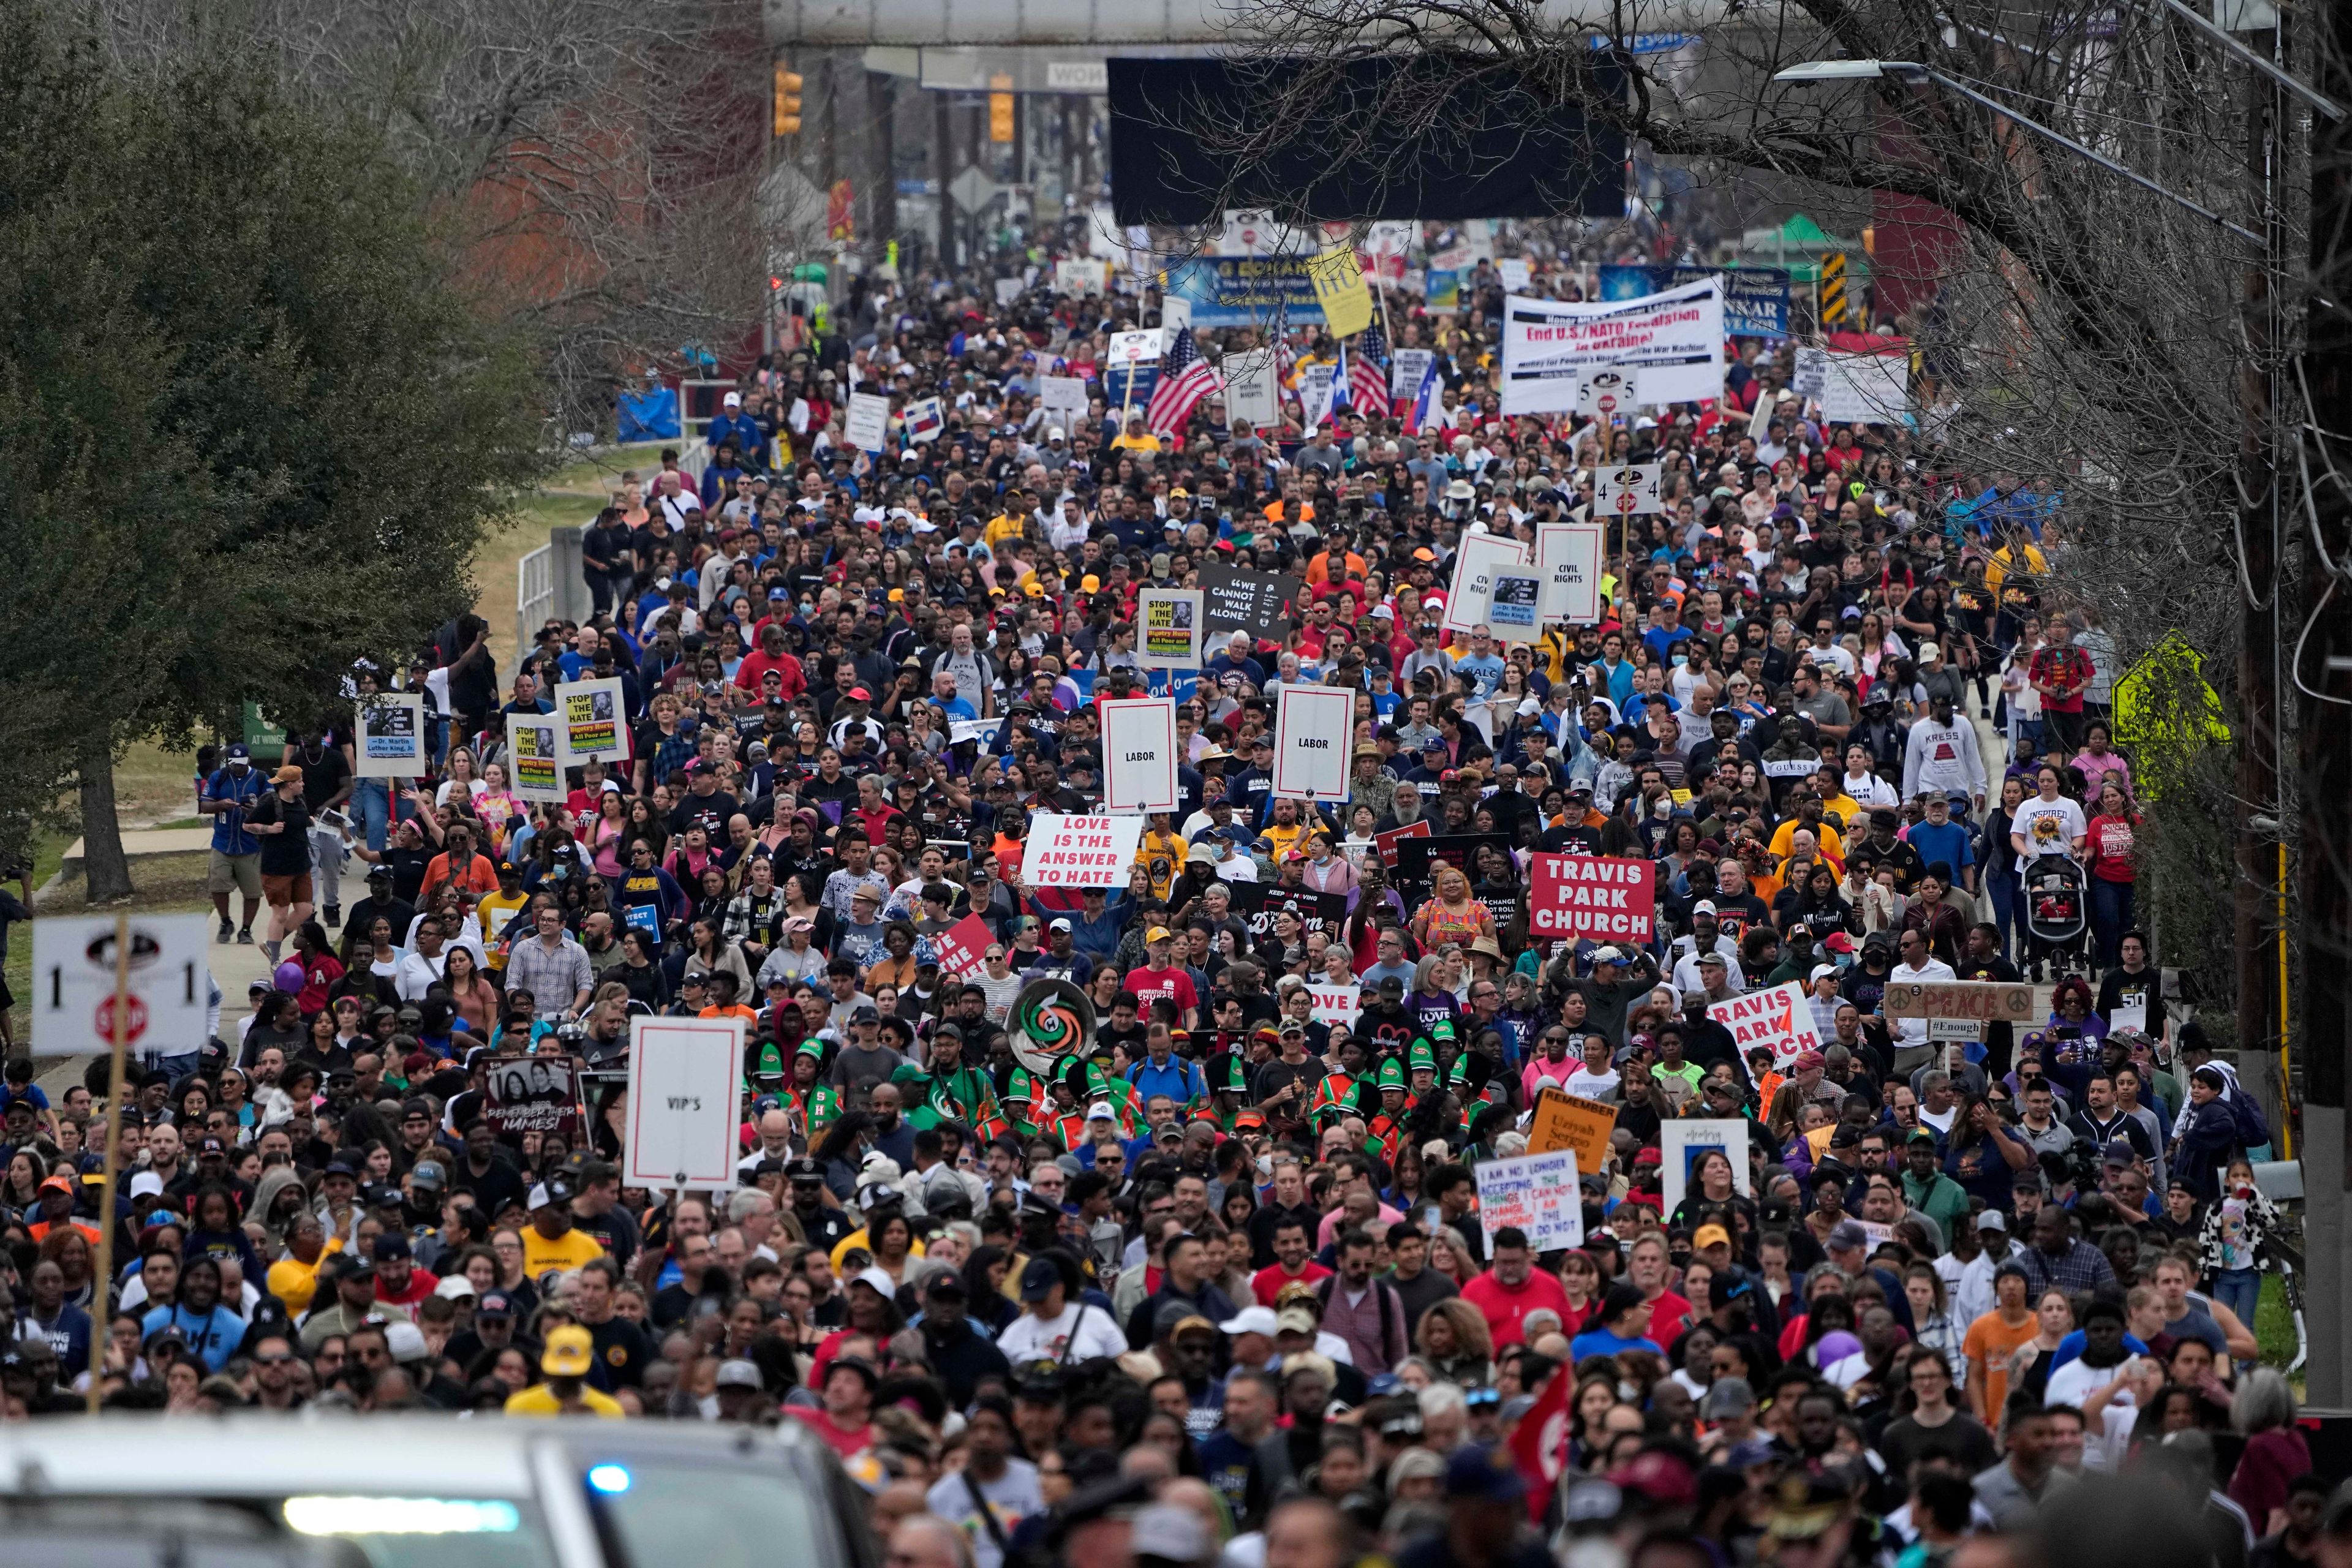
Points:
x=1591, y=896
x=1253, y=602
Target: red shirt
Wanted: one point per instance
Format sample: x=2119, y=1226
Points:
x=1506, y=1309
x=757, y=664
x=1150, y=984
x=1268, y=1282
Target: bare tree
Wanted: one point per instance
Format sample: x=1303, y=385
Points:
x=599, y=161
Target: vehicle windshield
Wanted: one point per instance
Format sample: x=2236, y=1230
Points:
x=394, y=1531
x=664, y=1513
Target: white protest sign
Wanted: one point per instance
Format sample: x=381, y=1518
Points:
x=1312, y=728
x=1682, y=1142
x=926, y=419
x=1514, y=271
x=1007, y=291
x=1759, y=422
x=1062, y=395
x=1335, y=1004
x=73, y=985
x=1672, y=341
x=1536, y=1194
x=683, y=1109
x=1780, y=1018
x=1406, y=370
x=1480, y=556
x=590, y=716
x=1079, y=851
x=1568, y=555
x=1252, y=387
x=1139, y=746
x=980, y=729
x=1627, y=490
x=1867, y=388
x=1175, y=315
x=1315, y=390
x=1514, y=604
x=390, y=736
x=867, y=427
x=534, y=757
x=1135, y=348
x=1812, y=374
x=1078, y=276
x=1605, y=392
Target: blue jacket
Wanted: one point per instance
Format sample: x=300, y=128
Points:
x=744, y=431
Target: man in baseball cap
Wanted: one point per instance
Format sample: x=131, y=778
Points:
x=570, y=1352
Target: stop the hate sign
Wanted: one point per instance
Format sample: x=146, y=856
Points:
x=1591, y=896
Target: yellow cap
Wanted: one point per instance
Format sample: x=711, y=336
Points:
x=570, y=1352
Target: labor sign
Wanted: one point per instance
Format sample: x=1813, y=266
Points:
x=1780, y=1018
x=1590, y=896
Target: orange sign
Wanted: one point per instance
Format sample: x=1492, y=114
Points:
x=1565, y=1121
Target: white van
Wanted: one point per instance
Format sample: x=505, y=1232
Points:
x=415, y=1491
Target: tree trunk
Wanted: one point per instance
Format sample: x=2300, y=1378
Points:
x=106, y=869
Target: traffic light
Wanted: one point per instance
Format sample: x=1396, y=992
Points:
x=1000, y=108
x=787, y=100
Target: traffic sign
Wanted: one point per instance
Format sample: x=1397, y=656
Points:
x=973, y=190
x=73, y=984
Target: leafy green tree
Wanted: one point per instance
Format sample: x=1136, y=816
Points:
x=258, y=424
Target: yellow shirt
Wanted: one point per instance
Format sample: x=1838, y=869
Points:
x=1001, y=529
x=1147, y=442
x=1282, y=840
x=1161, y=855
x=496, y=910
x=539, y=1400
x=294, y=1282
x=2005, y=558
x=856, y=1241
x=570, y=1250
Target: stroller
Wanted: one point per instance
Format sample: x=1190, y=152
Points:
x=2057, y=917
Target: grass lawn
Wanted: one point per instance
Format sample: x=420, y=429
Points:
x=2275, y=1324
x=569, y=499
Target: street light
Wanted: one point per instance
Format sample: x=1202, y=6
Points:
x=1911, y=70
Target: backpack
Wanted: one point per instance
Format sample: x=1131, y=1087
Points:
x=2253, y=1128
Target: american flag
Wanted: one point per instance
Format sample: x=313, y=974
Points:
x=1368, y=376
x=1185, y=378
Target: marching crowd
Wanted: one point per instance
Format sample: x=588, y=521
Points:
x=1198, y=1252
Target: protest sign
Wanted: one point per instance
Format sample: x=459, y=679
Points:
x=1418, y=858
x=1475, y=562
x=1167, y=629
x=1536, y=1194
x=1565, y=1121
x=1567, y=556
x=1317, y=385
x=1514, y=600
x=1247, y=291
x=1385, y=843
x=684, y=1102
x=1514, y=272
x=1079, y=851
x=1629, y=489
x=961, y=947
x=1253, y=602
x=1335, y=1004
x=1312, y=728
x=1258, y=903
x=1139, y=746
x=1135, y=348
x=1681, y=1141
x=924, y=419
x=1063, y=398
x=1406, y=370
x=594, y=723
x=1077, y=275
x=1007, y=291
x=534, y=757
x=1672, y=341
x=1340, y=290
x=390, y=736
x=1252, y=387
x=868, y=427
x=1978, y=1001
x=1598, y=897
x=981, y=731
x=1811, y=374
x=1443, y=292
x=1780, y=1018
x=532, y=1094
x=1866, y=388
x=1755, y=299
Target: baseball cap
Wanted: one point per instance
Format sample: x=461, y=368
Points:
x=739, y=1374
x=570, y=1352
x=1708, y=1235
x=1483, y=1474
x=1847, y=1234
x=1252, y=1320
x=496, y=1306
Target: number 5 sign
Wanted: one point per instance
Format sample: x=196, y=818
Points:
x=74, y=964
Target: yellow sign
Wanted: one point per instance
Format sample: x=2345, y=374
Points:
x=1833, y=286
x=1340, y=290
x=1564, y=1120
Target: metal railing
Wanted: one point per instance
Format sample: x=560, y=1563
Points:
x=534, y=595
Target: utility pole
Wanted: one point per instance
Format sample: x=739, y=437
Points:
x=943, y=168
x=2322, y=681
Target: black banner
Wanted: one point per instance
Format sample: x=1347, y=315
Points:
x=1258, y=903
x=1253, y=602
x=1417, y=857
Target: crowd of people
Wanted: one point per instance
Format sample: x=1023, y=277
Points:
x=1217, y=1257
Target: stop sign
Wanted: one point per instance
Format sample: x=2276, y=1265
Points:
x=134, y=1023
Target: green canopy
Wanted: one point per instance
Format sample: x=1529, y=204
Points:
x=1798, y=245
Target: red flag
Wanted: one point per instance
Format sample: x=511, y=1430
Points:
x=1540, y=1443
